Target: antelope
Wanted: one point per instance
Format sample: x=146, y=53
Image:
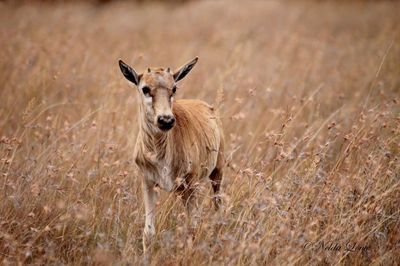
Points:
x=179, y=142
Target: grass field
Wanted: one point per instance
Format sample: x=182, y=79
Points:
x=309, y=97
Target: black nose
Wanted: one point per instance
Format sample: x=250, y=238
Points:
x=165, y=122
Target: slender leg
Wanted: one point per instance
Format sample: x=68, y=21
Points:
x=217, y=174
x=190, y=205
x=150, y=199
x=216, y=179
x=186, y=191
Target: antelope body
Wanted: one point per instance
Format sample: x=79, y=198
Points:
x=179, y=142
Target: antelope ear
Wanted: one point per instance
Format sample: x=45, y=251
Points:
x=185, y=69
x=129, y=73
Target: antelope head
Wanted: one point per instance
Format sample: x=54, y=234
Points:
x=157, y=88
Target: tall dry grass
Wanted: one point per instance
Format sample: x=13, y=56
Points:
x=310, y=106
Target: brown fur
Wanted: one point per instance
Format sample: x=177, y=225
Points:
x=188, y=148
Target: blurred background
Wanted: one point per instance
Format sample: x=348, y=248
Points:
x=308, y=92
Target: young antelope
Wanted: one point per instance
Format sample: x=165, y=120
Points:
x=179, y=141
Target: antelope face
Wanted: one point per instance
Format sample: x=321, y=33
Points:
x=157, y=88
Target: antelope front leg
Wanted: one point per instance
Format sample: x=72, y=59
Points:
x=150, y=199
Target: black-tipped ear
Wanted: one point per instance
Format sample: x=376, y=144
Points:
x=185, y=69
x=129, y=73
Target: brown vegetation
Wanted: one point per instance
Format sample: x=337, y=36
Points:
x=309, y=99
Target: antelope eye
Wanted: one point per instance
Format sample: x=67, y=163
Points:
x=174, y=89
x=146, y=90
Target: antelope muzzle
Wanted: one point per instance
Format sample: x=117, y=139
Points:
x=165, y=122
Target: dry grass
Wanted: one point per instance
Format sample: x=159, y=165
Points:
x=310, y=108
